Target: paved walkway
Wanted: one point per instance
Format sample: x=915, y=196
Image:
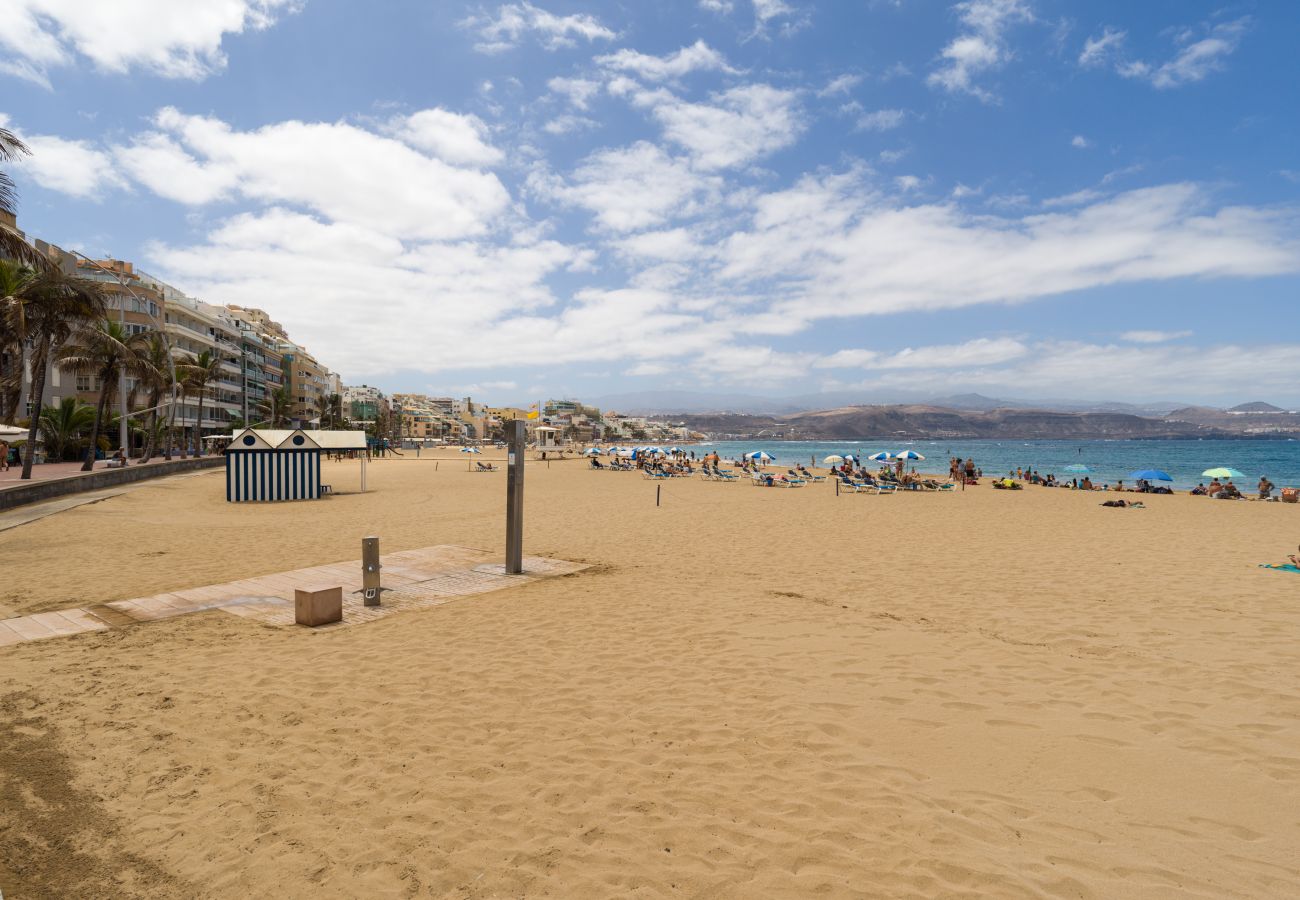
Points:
x=58, y=471
x=416, y=579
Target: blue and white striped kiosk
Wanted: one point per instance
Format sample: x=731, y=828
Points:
x=268, y=465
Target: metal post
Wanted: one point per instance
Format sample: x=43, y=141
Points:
x=515, y=499
x=370, y=571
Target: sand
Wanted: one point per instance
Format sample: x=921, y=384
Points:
x=751, y=693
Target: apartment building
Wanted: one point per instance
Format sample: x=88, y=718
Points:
x=363, y=403
x=256, y=357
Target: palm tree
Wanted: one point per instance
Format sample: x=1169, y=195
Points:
x=105, y=349
x=65, y=424
x=43, y=314
x=12, y=244
x=276, y=406
x=330, y=409
x=13, y=277
x=197, y=374
x=156, y=378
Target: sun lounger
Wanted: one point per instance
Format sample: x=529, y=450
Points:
x=485, y=467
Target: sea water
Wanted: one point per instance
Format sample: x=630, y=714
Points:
x=1108, y=461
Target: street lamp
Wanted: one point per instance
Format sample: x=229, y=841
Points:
x=121, y=378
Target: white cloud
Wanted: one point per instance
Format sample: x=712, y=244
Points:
x=766, y=11
x=907, y=182
x=882, y=120
x=513, y=21
x=858, y=254
x=841, y=84
x=1153, y=337
x=695, y=58
x=1079, y=142
x=739, y=125
x=721, y=7
x=579, y=91
x=981, y=47
x=1078, y=198
x=630, y=188
x=452, y=137
x=76, y=168
x=338, y=170
x=567, y=124
x=1195, y=61
x=1102, y=50
x=169, y=38
x=978, y=352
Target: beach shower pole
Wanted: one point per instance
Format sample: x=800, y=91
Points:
x=370, y=585
x=515, y=498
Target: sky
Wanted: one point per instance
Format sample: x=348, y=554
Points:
x=513, y=201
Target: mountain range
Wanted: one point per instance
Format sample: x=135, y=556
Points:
x=655, y=403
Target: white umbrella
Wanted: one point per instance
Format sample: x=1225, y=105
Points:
x=908, y=454
x=882, y=456
x=594, y=451
x=470, y=450
x=12, y=433
x=758, y=455
x=833, y=460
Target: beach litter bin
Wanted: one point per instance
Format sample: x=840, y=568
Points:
x=1291, y=495
x=318, y=605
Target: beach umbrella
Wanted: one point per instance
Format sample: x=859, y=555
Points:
x=1150, y=475
x=470, y=450
x=676, y=450
x=758, y=455
x=1080, y=468
x=833, y=460
x=882, y=456
x=594, y=451
x=1222, y=472
x=908, y=454
x=849, y=457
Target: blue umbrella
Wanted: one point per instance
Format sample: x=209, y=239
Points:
x=594, y=451
x=908, y=454
x=1150, y=475
x=470, y=450
x=881, y=456
x=758, y=455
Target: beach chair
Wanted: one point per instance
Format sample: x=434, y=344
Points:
x=595, y=464
x=487, y=467
x=655, y=476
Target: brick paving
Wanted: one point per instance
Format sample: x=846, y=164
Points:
x=414, y=579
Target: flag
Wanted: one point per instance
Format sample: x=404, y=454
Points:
x=533, y=412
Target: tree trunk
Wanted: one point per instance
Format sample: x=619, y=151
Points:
x=198, y=428
x=100, y=406
x=151, y=439
x=181, y=402
x=39, y=359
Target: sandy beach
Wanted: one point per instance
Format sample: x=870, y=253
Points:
x=750, y=693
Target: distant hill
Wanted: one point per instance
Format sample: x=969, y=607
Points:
x=1259, y=406
x=932, y=422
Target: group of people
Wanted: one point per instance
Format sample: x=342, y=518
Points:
x=964, y=470
x=1226, y=490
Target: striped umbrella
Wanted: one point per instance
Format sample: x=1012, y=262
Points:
x=882, y=456
x=470, y=450
x=908, y=454
x=758, y=455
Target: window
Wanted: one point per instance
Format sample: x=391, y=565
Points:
x=83, y=384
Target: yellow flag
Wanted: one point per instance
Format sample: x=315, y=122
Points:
x=533, y=412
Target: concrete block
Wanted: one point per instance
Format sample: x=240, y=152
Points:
x=319, y=605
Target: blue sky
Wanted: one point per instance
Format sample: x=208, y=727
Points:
x=1025, y=198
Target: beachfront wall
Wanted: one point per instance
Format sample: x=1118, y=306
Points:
x=265, y=475
x=283, y=464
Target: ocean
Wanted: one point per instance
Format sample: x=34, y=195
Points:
x=1108, y=460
